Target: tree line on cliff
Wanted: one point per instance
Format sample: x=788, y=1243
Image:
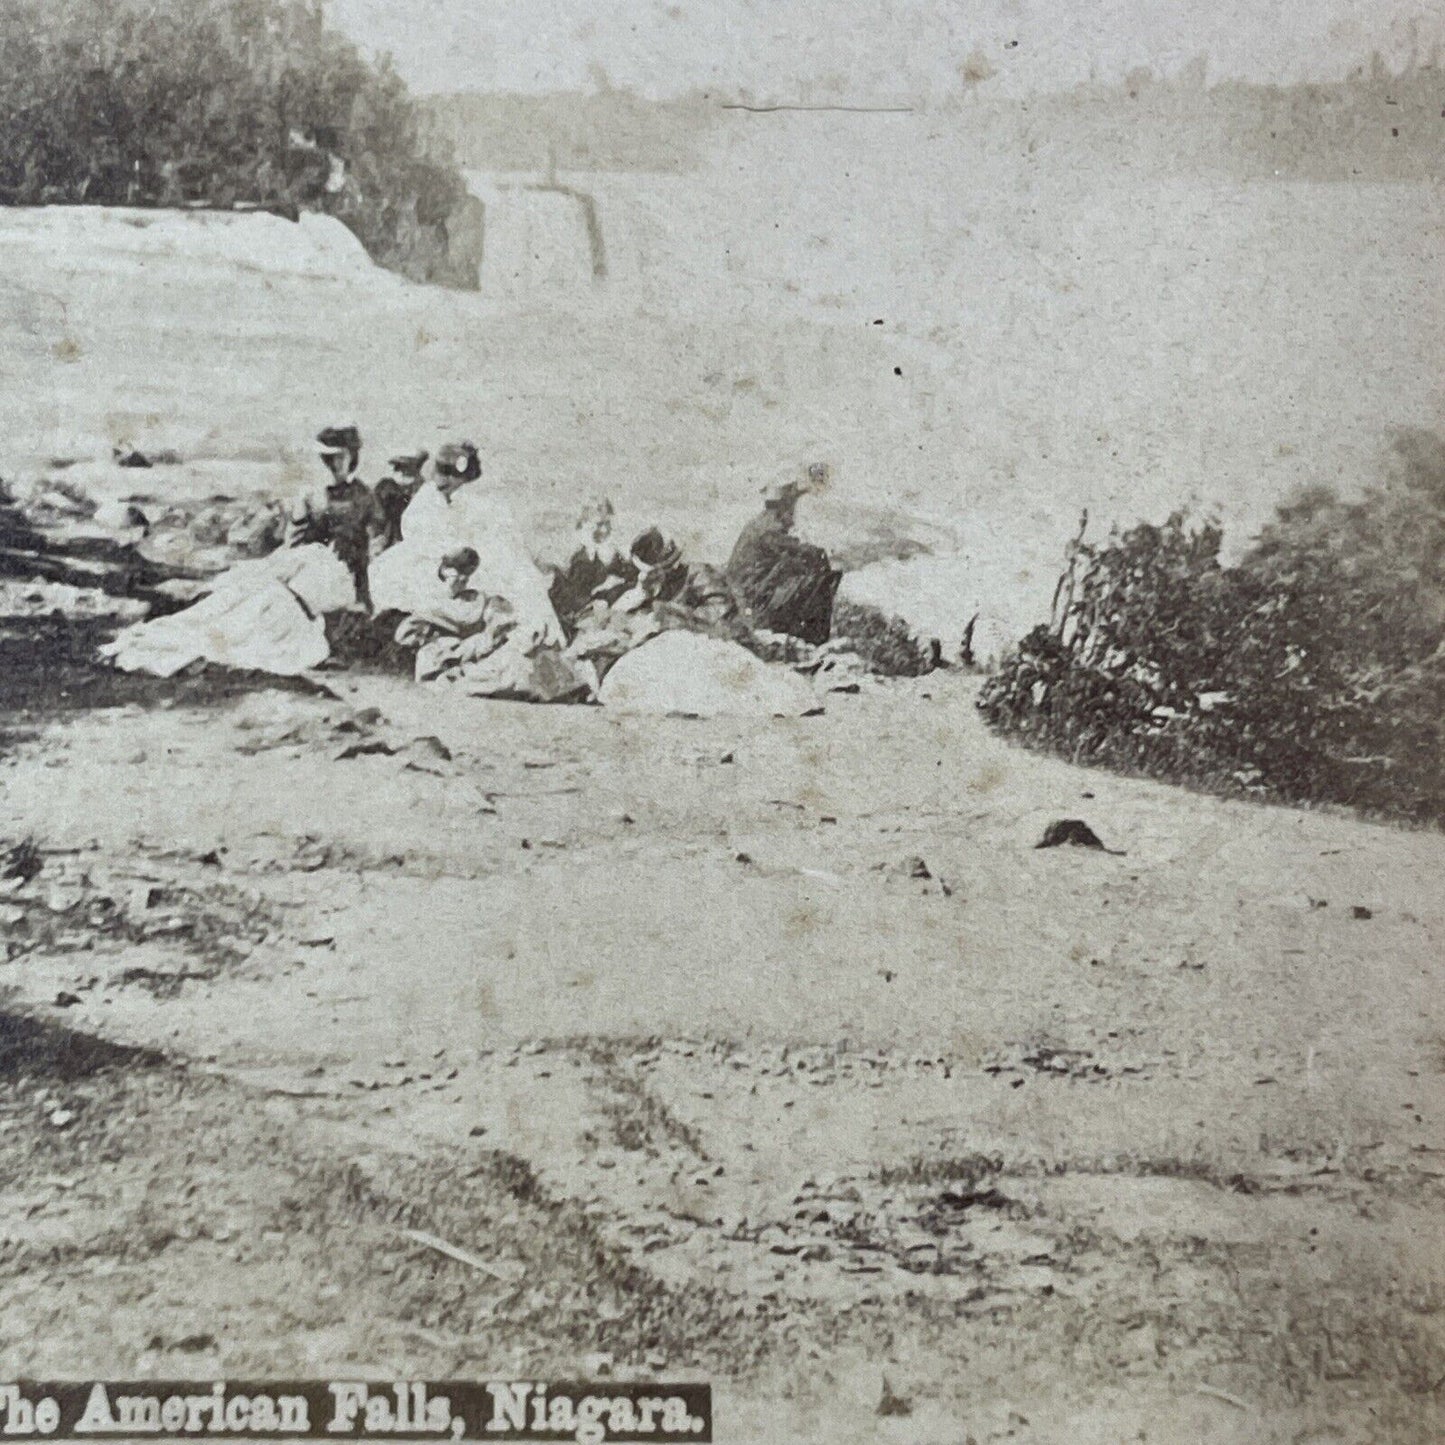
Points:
x=225, y=103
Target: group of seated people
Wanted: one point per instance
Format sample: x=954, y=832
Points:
x=447, y=553
x=434, y=557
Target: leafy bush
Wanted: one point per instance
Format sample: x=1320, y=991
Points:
x=222, y=103
x=887, y=645
x=1312, y=670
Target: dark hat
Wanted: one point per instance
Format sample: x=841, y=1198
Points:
x=339, y=439
x=409, y=461
x=791, y=488
x=459, y=459
x=464, y=559
x=778, y=494
x=652, y=549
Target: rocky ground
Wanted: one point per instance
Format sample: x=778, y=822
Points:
x=771, y=1053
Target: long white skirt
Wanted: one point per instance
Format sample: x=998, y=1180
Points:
x=262, y=616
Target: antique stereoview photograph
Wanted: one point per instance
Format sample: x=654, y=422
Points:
x=723, y=720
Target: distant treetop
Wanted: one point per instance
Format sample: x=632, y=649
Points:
x=221, y=103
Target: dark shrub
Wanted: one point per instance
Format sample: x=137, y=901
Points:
x=222, y=103
x=886, y=644
x=1313, y=670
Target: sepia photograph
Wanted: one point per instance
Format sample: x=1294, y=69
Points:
x=723, y=720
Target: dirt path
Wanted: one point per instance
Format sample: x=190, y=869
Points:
x=1067, y=1145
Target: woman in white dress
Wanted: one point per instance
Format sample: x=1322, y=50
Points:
x=454, y=510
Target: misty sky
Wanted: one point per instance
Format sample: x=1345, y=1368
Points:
x=871, y=50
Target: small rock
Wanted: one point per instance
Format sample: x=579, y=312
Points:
x=66, y=1000
x=121, y=517
x=891, y=1404
x=62, y=897
x=142, y=897
x=1360, y=911
x=53, y=500
x=256, y=531
x=371, y=747
x=1071, y=832
x=429, y=746
x=23, y=861
x=62, y=1118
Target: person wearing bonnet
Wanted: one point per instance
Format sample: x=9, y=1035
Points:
x=597, y=566
x=787, y=584
x=341, y=514
x=394, y=494
x=454, y=514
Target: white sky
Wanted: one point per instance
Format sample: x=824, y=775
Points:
x=871, y=50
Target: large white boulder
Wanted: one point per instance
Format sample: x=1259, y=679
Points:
x=689, y=673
